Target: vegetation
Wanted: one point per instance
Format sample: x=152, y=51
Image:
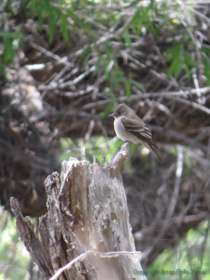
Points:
x=64, y=66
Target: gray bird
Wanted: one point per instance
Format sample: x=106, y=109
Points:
x=129, y=127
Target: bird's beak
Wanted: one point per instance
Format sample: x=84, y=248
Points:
x=112, y=115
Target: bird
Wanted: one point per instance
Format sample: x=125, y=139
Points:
x=130, y=128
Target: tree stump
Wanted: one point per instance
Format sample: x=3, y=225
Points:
x=86, y=229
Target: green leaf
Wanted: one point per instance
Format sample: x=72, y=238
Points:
x=109, y=109
x=52, y=24
x=151, y=5
x=138, y=85
x=152, y=28
x=188, y=59
x=205, y=50
x=173, y=52
x=86, y=51
x=206, y=63
x=40, y=21
x=74, y=17
x=133, y=3
x=128, y=87
x=11, y=35
x=127, y=38
x=8, y=50
x=108, y=52
x=187, y=70
x=176, y=67
x=64, y=28
x=135, y=17
x=33, y=4
x=139, y=28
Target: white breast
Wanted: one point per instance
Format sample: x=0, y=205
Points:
x=123, y=134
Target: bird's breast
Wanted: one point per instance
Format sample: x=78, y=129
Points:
x=123, y=133
x=119, y=128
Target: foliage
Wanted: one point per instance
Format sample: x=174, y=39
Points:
x=95, y=147
x=90, y=18
x=10, y=42
x=83, y=58
x=181, y=60
x=190, y=260
x=14, y=259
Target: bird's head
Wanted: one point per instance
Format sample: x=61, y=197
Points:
x=122, y=110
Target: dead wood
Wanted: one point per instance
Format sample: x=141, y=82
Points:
x=86, y=212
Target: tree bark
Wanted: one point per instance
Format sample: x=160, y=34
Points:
x=87, y=223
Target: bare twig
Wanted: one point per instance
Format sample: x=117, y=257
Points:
x=175, y=194
x=133, y=255
x=193, y=104
x=50, y=54
x=141, y=95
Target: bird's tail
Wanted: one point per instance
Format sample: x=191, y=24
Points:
x=152, y=147
x=155, y=153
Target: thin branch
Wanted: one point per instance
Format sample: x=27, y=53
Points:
x=199, y=13
x=141, y=95
x=52, y=55
x=134, y=255
x=175, y=195
x=77, y=79
x=196, y=84
x=193, y=104
x=179, y=137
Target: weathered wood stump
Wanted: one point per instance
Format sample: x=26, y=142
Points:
x=87, y=224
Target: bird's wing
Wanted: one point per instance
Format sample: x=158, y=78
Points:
x=138, y=128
